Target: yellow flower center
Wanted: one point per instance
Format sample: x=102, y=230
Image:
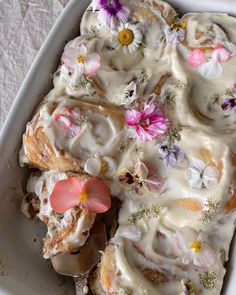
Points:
x=83, y=197
x=104, y=167
x=176, y=26
x=196, y=246
x=81, y=59
x=126, y=37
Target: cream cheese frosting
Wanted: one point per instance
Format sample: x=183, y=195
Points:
x=159, y=108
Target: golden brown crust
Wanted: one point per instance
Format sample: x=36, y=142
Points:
x=41, y=154
x=108, y=268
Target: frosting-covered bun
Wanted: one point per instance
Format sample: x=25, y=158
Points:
x=65, y=132
x=66, y=232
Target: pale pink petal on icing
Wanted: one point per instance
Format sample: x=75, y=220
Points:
x=220, y=53
x=141, y=170
x=211, y=70
x=63, y=120
x=205, y=259
x=69, y=57
x=155, y=184
x=92, y=63
x=196, y=58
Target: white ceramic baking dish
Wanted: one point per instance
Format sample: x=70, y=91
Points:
x=22, y=268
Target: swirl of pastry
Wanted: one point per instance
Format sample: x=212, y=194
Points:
x=66, y=132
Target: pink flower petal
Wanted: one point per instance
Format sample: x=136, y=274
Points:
x=196, y=58
x=156, y=185
x=205, y=259
x=65, y=194
x=148, y=109
x=123, y=14
x=92, y=63
x=63, y=120
x=99, y=200
x=220, y=54
x=69, y=57
x=132, y=117
x=142, y=134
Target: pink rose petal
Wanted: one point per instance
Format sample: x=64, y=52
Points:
x=196, y=58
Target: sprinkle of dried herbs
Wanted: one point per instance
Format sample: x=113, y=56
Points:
x=152, y=212
x=179, y=85
x=169, y=97
x=86, y=83
x=208, y=214
x=123, y=147
x=208, y=279
x=172, y=136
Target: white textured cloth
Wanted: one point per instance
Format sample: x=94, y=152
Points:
x=24, y=25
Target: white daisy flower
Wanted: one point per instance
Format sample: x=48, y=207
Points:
x=100, y=166
x=129, y=37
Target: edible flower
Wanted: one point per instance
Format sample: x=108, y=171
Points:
x=175, y=32
x=199, y=175
x=100, y=166
x=171, y=154
x=91, y=194
x=193, y=248
x=78, y=61
x=128, y=37
x=141, y=180
x=209, y=67
x=110, y=11
x=229, y=101
x=69, y=122
x=147, y=123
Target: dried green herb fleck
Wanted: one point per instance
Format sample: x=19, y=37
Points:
x=208, y=214
x=152, y=212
